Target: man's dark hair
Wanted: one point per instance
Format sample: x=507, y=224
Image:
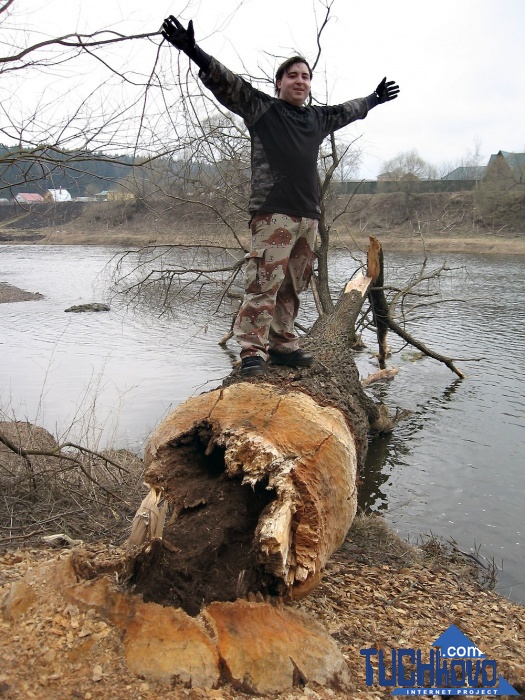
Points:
x=286, y=65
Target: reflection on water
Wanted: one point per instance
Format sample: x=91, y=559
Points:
x=452, y=467
x=371, y=496
x=395, y=448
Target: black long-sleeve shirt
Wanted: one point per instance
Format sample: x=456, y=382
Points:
x=285, y=141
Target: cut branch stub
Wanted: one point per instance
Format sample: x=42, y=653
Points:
x=256, y=435
x=380, y=310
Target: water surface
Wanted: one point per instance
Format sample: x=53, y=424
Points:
x=453, y=468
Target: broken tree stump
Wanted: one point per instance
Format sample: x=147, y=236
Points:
x=381, y=312
x=296, y=461
x=257, y=480
x=378, y=302
x=253, y=647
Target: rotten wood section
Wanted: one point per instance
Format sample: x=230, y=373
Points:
x=280, y=442
x=254, y=485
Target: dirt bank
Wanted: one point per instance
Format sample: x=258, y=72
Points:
x=395, y=241
x=446, y=222
x=9, y=294
x=377, y=591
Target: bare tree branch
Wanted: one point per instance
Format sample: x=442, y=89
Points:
x=57, y=452
x=79, y=43
x=4, y=7
x=328, y=6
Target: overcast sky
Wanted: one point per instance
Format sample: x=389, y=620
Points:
x=460, y=63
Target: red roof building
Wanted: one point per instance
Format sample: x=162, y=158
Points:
x=29, y=198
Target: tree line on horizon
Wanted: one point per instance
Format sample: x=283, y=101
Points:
x=41, y=168
x=85, y=173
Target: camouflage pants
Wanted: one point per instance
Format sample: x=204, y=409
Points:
x=278, y=269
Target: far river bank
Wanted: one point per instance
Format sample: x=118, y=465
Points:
x=396, y=241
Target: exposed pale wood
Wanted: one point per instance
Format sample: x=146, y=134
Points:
x=377, y=298
x=304, y=451
x=224, y=340
x=374, y=259
x=148, y=523
x=360, y=283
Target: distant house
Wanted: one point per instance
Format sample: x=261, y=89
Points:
x=101, y=196
x=467, y=172
x=29, y=198
x=506, y=170
x=60, y=195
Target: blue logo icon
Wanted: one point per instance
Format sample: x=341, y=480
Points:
x=455, y=666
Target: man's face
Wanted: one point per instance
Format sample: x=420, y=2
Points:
x=294, y=87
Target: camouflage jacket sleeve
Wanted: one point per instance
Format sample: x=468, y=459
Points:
x=338, y=116
x=235, y=93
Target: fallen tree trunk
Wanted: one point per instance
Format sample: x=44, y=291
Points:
x=257, y=480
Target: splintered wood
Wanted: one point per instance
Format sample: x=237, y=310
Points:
x=304, y=453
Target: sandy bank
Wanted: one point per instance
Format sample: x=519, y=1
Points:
x=9, y=294
x=395, y=241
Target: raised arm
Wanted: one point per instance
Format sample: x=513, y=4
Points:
x=232, y=91
x=343, y=114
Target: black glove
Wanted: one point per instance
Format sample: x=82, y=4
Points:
x=182, y=39
x=386, y=91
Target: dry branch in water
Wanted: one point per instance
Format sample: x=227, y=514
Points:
x=382, y=318
x=379, y=376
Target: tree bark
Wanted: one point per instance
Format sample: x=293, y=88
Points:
x=378, y=302
x=257, y=479
x=323, y=289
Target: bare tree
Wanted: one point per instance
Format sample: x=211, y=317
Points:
x=215, y=178
x=190, y=158
x=48, y=129
x=408, y=165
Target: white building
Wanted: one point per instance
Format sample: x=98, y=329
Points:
x=60, y=195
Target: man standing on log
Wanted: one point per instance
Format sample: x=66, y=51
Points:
x=285, y=193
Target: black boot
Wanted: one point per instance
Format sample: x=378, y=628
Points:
x=252, y=366
x=297, y=358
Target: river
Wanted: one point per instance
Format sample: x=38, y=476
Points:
x=453, y=468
